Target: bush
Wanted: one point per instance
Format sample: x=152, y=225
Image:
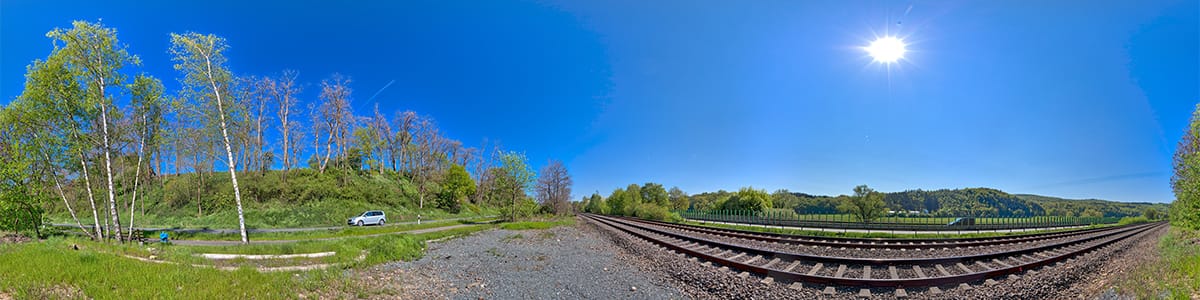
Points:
x=650, y=211
x=748, y=198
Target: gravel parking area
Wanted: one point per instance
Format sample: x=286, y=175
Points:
x=569, y=262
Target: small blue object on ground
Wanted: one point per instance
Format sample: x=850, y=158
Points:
x=162, y=237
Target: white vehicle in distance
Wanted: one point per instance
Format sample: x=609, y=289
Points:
x=375, y=217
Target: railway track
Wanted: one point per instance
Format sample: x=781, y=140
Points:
x=895, y=273
x=875, y=243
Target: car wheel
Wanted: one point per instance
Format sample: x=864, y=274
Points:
x=381, y=221
x=360, y=223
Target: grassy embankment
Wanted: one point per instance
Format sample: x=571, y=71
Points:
x=1174, y=275
x=306, y=199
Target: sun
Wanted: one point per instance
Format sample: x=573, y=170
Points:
x=886, y=49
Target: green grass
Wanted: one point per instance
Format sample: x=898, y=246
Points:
x=319, y=214
x=1176, y=275
x=541, y=224
x=879, y=234
x=50, y=269
x=45, y=270
x=348, y=231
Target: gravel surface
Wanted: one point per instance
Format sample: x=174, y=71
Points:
x=695, y=279
x=570, y=262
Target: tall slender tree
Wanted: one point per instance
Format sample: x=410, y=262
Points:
x=48, y=108
x=147, y=106
x=92, y=53
x=283, y=92
x=202, y=60
x=335, y=112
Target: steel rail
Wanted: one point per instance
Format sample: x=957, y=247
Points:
x=789, y=276
x=874, y=242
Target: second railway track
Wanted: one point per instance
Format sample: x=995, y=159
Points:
x=896, y=273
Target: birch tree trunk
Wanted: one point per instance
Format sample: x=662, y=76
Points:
x=136, y=177
x=87, y=182
x=112, y=201
x=237, y=194
x=58, y=186
x=63, y=195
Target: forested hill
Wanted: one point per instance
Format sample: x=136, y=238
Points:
x=955, y=202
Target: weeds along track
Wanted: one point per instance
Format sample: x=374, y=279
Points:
x=995, y=256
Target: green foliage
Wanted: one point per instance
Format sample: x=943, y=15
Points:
x=655, y=193
x=977, y=202
x=309, y=198
x=20, y=203
x=526, y=207
x=1151, y=213
x=617, y=203
x=679, y=199
x=633, y=198
x=785, y=199
x=596, y=205
x=710, y=200
x=1092, y=213
x=748, y=199
x=651, y=211
x=866, y=204
x=456, y=187
x=517, y=181
x=1185, y=211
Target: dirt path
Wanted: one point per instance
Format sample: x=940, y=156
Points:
x=231, y=243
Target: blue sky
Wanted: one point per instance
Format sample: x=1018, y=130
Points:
x=1077, y=99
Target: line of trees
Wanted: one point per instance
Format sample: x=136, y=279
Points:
x=1185, y=210
x=90, y=129
x=648, y=201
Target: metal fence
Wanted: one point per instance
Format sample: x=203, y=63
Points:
x=914, y=223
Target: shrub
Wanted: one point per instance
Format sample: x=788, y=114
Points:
x=651, y=211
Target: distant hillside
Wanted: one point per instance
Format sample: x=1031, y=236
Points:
x=954, y=202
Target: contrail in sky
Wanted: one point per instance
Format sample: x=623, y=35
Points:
x=369, y=100
x=381, y=90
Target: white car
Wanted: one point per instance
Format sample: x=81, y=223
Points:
x=375, y=217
